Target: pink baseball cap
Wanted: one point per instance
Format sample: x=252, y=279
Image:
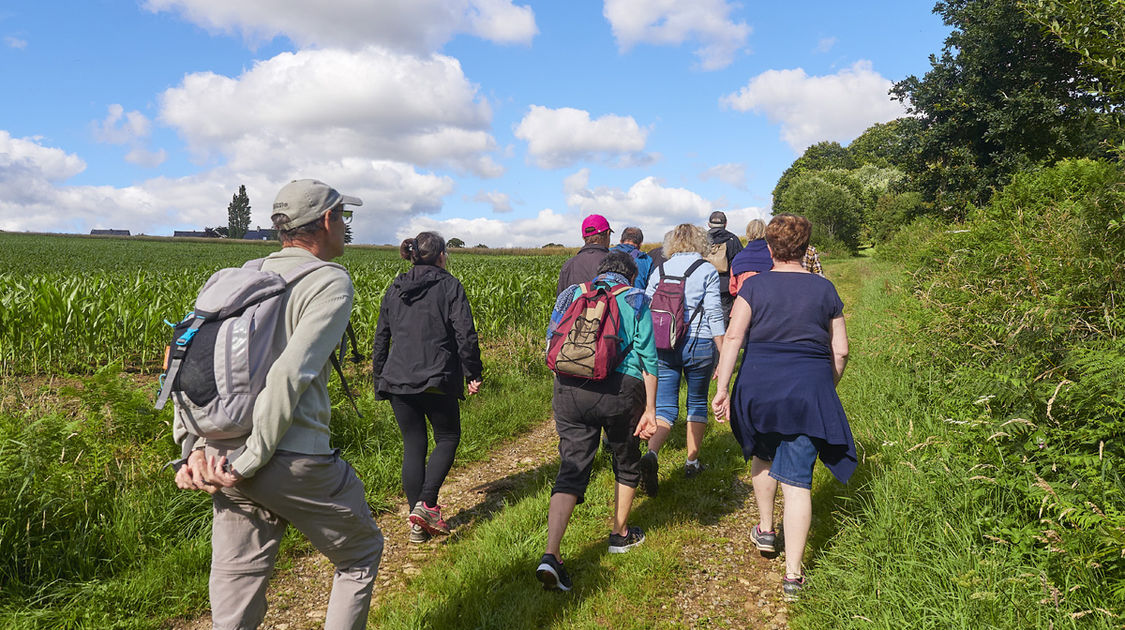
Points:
x=594, y=224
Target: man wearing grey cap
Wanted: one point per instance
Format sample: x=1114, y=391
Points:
x=288, y=472
x=724, y=246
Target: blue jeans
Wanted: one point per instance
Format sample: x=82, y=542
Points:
x=696, y=361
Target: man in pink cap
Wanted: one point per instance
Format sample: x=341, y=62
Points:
x=583, y=266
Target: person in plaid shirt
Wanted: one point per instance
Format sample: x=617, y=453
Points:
x=811, y=261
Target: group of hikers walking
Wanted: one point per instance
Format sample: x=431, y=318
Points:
x=686, y=310
x=248, y=372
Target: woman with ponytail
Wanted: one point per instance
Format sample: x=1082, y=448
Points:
x=425, y=356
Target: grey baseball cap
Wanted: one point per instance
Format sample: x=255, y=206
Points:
x=303, y=201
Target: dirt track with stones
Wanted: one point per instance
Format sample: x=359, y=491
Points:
x=731, y=584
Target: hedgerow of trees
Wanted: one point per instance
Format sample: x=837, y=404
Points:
x=1018, y=85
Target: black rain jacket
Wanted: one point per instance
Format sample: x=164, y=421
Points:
x=425, y=339
x=720, y=235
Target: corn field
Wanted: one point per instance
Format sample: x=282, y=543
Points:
x=72, y=305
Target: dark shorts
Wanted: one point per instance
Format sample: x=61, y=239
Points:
x=583, y=409
x=792, y=457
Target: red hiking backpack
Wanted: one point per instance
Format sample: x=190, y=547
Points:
x=668, y=325
x=587, y=341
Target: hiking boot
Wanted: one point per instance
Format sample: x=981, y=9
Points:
x=429, y=518
x=552, y=574
x=622, y=544
x=650, y=479
x=764, y=541
x=418, y=534
x=791, y=587
x=691, y=470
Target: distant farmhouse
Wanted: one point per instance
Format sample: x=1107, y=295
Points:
x=260, y=235
x=208, y=233
x=251, y=235
x=109, y=232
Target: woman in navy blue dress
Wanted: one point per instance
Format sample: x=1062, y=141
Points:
x=784, y=410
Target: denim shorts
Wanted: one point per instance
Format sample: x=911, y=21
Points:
x=792, y=457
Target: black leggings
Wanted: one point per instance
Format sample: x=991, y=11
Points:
x=421, y=480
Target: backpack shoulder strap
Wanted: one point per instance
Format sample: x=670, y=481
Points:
x=344, y=382
x=304, y=269
x=695, y=265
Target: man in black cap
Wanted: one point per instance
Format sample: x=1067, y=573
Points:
x=724, y=246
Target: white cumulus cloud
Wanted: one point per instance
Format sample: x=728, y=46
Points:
x=560, y=137
x=732, y=173
x=120, y=127
x=15, y=42
x=672, y=22
x=499, y=201
x=418, y=26
x=322, y=105
x=34, y=195
x=547, y=226
x=28, y=155
x=129, y=128
x=647, y=204
x=812, y=109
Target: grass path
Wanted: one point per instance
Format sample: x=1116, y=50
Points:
x=697, y=567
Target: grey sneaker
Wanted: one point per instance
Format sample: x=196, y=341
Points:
x=764, y=541
x=418, y=534
x=691, y=470
x=552, y=574
x=650, y=477
x=791, y=587
x=622, y=544
x=429, y=518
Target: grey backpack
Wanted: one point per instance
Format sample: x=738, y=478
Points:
x=221, y=352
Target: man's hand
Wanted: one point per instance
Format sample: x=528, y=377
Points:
x=190, y=475
x=646, y=426
x=206, y=474
x=218, y=474
x=474, y=386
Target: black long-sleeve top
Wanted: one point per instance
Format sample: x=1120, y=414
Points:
x=425, y=339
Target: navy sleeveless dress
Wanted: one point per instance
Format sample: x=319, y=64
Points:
x=785, y=383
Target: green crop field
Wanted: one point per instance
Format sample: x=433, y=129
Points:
x=74, y=304
x=93, y=533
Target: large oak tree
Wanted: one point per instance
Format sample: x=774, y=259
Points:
x=1003, y=96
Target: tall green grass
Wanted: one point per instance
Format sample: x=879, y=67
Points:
x=997, y=498
x=94, y=533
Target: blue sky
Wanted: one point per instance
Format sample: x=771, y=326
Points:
x=496, y=121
